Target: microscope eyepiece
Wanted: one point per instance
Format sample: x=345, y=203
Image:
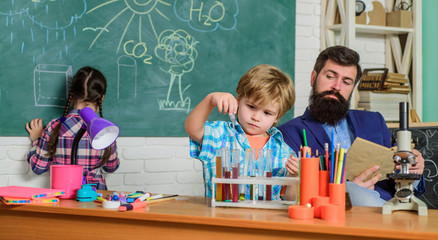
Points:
x=404, y=115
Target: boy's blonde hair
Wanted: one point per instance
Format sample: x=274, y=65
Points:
x=265, y=84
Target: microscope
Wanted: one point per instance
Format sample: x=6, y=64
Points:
x=404, y=198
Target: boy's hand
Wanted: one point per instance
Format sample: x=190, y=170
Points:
x=292, y=165
x=225, y=102
x=194, y=124
x=35, y=128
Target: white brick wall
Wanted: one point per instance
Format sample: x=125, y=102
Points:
x=150, y=164
x=163, y=165
x=307, y=37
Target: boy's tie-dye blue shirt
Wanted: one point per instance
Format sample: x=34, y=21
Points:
x=219, y=134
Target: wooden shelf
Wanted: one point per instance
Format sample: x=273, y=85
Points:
x=401, y=56
x=380, y=30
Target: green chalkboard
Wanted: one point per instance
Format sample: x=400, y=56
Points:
x=160, y=57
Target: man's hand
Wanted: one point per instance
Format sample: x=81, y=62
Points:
x=418, y=167
x=35, y=128
x=419, y=163
x=359, y=180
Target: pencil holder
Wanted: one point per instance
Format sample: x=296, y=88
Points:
x=324, y=179
x=317, y=202
x=66, y=177
x=337, y=194
x=301, y=212
x=309, y=180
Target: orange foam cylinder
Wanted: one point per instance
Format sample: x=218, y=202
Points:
x=337, y=194
x=301, y=212
x=309, y=180
x=317, y=202
x=333, y=212
x=324, y=179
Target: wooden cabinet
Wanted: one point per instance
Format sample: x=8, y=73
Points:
x=406, y=58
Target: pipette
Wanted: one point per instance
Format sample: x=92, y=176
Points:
x=233, y=122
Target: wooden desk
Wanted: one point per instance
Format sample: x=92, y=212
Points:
x=190, y=218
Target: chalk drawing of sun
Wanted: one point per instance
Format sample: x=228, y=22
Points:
x=139, y=12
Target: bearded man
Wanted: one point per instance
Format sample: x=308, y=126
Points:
x=335, y=75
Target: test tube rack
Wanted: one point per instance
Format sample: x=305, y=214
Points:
x=273, y=204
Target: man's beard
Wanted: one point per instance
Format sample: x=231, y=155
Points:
x=326, y=109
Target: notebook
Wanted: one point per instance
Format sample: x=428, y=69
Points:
x=29, y=192
x=20, y=201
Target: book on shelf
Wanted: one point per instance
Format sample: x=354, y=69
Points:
x=391, y=84
x=373, y=96
x=396, y=83
x=380, y=79
x=379, y=106
x=399, y=81
x=388, y=109
x=396, y=76
x=401, y=89
x=384, y=102
x=390, y=116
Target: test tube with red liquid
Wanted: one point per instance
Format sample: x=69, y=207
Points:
x=227, y=174
x=235, y=166
x=268, y=168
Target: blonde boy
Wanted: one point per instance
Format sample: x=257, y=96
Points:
x=264, y=95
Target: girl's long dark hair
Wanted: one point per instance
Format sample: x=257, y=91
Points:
x=88, y=85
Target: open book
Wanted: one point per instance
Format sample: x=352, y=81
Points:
x=363, y=154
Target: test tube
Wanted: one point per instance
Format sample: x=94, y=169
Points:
x=218, y=175
x=226, y=195
x=223, y=156
x=268, y=167
x=235, y=165
x=248, y=153
x=261, y=173
x=252, y=172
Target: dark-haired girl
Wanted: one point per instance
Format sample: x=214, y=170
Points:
x=52, y=145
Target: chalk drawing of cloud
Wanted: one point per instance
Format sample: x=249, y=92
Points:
x=46, y=13
x=207, y=16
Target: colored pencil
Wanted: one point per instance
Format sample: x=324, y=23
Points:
x=340, y=165
x=343, y=168
x=305, y=137
x=332, y=162
x=326, y=156
x=336, y=162
x=321, y=163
